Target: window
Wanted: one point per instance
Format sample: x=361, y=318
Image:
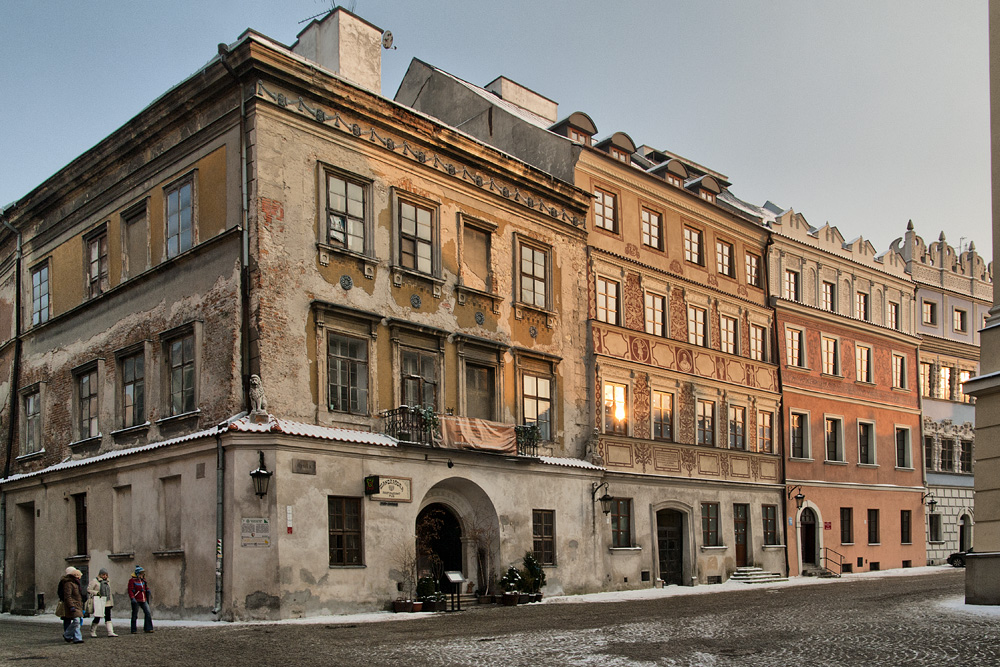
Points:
x=863, y=363
x=40, y=294
x=663, y=415
x=537, y=403
x=794, y=352
x=136, y=242
x=960, y=395
x=861, y=306
x=345, y=213
x=692, y=246
x=605, y=211
x=710, y=524
x=181, y=378
x=928, y=310
x=757, y=337
x=347, y=374
x=706, y=423
x=416, y=237
x=925, y=379
x=873, y=536
x=345, y=531
x=947, y=455
x=180, y=217
x=934, y=528
x=652, y=228
x=133, y=390
x=834, y=442
x=894, y=316
x=477, y=267
x=32, y=423
x=797, y=427
x=769, y=514
x=944, y=383
x=898, y=371
x=791, y=285
x=831, y=356
x=97, y=265
x=959, y=320
x=656, y=306
x=929, y=453
x=765, y=431
x=420, y=377
x=619, y=155
x=829, y=296
x=621, y=519
x=543, y=536
x=965, y=456
x=903, y=448
x=724, y=258
x=727, y=330
x=753, y=270
x=579, y=137
x=534, y=276
x=847, y=525
x=607, y=301
x=696, y=326
x=86, y=407
x=480, y=391
x=866, y=443
x=615, y=408
x=80, y=507
x=737, y=427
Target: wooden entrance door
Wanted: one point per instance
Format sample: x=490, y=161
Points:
x=670, y=545
x=808, y=533
x=740, y=512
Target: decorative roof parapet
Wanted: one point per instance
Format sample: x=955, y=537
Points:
x=923, y=260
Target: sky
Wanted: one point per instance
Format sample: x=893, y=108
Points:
x=864, y=114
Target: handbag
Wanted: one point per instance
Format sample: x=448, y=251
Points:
x=88, y=606
x=61, y=609
x=99, y=604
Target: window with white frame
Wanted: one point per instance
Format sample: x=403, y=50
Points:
x=899, y=371
x=925, y=379
x=347, y=374
x=791, y=291
x=928, y=312
x=765, y=431
x=862, y=363
x=834, y=431
x=416, y=236
x=753, y=270
x=894, y=316
x=903, y=457
x=97, y=264
x=693, y=246
x=831, y=355
x=605, y=210
x=797, y=428
x=696, y=326
x=655, y=313
x=758, y=336
x=960, y=395
x=652, y=228
x=345, y=213
x=419, y=376
x=536, y=401
x=724, y=258
x=533, y=270
x=86, y=404
x=947, y=455
x=607, y=300
x=40, y=294
x=737, y=427
x=181, y=374
x=959, y=320
x=179, y=199
x=794, y=348
x=706, y=423
x=727, y=334
x=663, y=415
x=944, y=383
x=829, y=296
x=866, y=443
x=132, y=367
x=861, y=306
x=615, y=408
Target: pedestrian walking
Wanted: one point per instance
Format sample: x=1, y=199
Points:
x=70, y=607
x=100, y=592
x=139, y=595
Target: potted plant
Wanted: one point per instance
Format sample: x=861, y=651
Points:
x=427, y=593
x=510, y=583
x=534, y=574
x=406, y=573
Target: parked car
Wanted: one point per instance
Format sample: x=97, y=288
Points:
x=957, y=559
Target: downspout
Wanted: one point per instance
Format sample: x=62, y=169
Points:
x=220, y=478
x=12, y=416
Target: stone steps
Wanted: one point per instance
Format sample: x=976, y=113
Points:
x=755, y=575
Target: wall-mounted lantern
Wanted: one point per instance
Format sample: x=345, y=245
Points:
x=799, y=497
x=929, y=500
x=261, y=477
x=605, y=499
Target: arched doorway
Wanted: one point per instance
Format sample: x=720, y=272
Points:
x=670, y=546
x=965, y=533
x=439, y=542
x=807, y=533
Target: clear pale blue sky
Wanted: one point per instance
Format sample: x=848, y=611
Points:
x=861, y=113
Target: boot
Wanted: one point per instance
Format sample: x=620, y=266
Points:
x=93, y=629
x=111, y=629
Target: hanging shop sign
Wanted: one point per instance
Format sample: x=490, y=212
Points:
x=396, y=489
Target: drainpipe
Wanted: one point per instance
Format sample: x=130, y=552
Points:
x=12, y=416
x=220, y=478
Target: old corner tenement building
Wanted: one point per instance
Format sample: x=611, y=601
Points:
x=542, y=340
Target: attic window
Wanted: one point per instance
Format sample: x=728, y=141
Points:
x=578, y=136
x=673, y=180
x=706, y=195
x=619, y=155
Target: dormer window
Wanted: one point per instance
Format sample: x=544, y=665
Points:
x=619, y=155
x=578, y=136
x=673, y=180
x=706, y=195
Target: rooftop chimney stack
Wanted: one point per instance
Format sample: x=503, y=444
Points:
x=346, y=45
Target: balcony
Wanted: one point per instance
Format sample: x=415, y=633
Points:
x=422, y=426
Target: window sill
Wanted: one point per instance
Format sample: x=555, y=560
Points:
x=326, y=249
x=803, y=369
x=86, y=441
x=179, y=418
x=902, y=390
x=773, y=547
x=908, y=468
x=463, y=292
x=868, y=465
x=520, y=308
x=719, y=548
x=125, y=555
x=334, y=566
x=32, y=455
x=866, y=383
x=804, y=459
x=832, y=376
x=874, y=544
x=847, y=544
x=929, y=541
x=623, y=549
x=835, y=463
x=399, y=271
x=129, y=430
x=169, y=553
x=79, y=558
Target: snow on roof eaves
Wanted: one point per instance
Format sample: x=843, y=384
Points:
x=275, y=425
x=569, y=463
x=763, y=214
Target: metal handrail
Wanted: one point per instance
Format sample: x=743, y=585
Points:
x=827, y=562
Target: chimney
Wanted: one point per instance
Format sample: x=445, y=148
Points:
x=346, y=45
x=527, y=99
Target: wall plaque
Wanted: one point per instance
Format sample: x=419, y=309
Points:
x=397, y=489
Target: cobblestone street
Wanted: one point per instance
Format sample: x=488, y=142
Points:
x=861, y=620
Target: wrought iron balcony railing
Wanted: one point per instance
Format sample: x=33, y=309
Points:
x=422, y=426
x=411, y=424
x=527, y=440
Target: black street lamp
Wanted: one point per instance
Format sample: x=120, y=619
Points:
x=261, y=477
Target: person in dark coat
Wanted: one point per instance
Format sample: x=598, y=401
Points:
x=71, y=595
x=139, y=595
